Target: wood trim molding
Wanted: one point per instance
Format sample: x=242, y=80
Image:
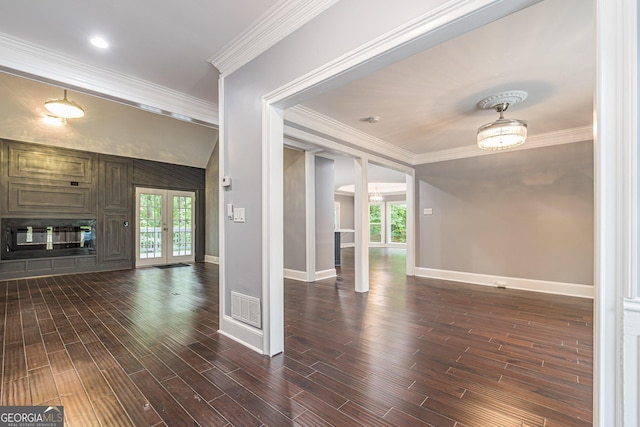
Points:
x=549, y=287
x=35, y=62
x=277, y=23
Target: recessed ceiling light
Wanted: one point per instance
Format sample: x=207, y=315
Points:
x=99, y=42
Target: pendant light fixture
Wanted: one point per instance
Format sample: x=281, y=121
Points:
x=64, y=108
x=503, y=133
x=375, y=197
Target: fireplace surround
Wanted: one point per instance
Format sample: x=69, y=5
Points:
x=27, y=238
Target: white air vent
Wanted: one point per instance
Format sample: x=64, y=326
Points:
x=246, y=309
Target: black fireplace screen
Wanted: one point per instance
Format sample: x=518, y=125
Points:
x=43, y=238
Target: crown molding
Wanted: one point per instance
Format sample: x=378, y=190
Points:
x=24, y=59
x=315, y=121
x=277, y=23
x=565, y=136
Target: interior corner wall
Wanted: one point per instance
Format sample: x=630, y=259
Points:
x=524, y=214
x=295, y=219
x=212, y=209
x=325, y=244
x=346, y=217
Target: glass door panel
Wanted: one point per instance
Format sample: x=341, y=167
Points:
x=165, y=226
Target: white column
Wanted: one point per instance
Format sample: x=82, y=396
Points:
x=616, y=381
x=361, y=223
x=310, y=207
x=272, y=231
x=411, y=223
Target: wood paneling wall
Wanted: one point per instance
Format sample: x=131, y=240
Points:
x=38, y=181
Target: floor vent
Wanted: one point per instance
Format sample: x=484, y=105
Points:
x=246, y=309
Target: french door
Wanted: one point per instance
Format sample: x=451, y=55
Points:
x=165, y=226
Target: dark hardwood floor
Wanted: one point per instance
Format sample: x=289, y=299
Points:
x=140, y=348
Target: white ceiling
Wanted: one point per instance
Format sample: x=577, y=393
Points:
x=426, y=104
x=164, y=42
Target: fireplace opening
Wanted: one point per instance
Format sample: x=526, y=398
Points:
x=43, y=238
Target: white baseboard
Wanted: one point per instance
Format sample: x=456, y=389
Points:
x=242, y=333
x=558, y=288
x=296, y=275
x=326, y=274
x=212, y=259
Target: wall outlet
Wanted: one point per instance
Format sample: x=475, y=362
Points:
x=501, y=284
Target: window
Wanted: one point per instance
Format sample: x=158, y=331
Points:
x=388, y=223
x=376, y=227
x=397, y=224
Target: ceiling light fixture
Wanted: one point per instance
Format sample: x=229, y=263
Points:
x=376, y=197
x=503, y=133
x=54, y=120
x=64, y=108
x=99, y=42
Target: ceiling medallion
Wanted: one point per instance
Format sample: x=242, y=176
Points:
x=503, y=133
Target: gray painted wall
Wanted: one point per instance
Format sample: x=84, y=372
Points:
x=519, y=214
x=346, y=216
x=213, y=212
x=295, y=217
x=325, y=175
x=241, y=110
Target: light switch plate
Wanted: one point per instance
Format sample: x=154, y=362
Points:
x=238, y=215
x=428, y=211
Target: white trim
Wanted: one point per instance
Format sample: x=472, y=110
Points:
x=212, y=259
x=242, y=333
x=326, y=274
x=272, y=229
x=317, y=122
x=328, y=144
x=632, y=305
x=298, y=275
x=347, y=245
x=274, y=25
x=28, y=60
x=436, y=24
x=310, y=208
x=222, y=215
x=410, y=244
x=361, y=225
x=549, y=287
x=615, y=120
x=311, y=119
x=566, y=136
